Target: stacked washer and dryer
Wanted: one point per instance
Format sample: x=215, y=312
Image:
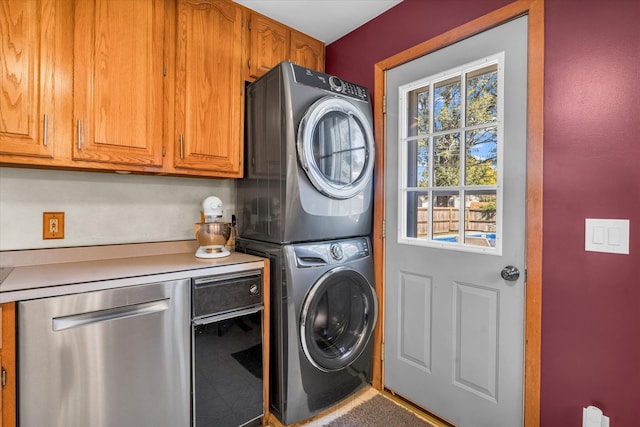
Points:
x=306, y=204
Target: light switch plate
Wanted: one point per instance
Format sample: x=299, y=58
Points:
x=607, y=235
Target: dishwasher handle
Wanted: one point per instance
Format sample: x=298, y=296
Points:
x=123, y=312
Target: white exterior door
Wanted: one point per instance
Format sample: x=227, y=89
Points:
x=455, y=228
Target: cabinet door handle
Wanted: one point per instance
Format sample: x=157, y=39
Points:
x=181, y=146
x=79, y=134
x=45, y=129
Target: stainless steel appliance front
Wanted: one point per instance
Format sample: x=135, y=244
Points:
x=108, y=358
x=323, y=310
x=309, y=158
x=228, y=388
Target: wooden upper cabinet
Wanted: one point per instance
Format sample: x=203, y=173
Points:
x=118, y=82
x=27, y=77
x=307, y=51
x=209, y=88
x=269, y=44
x=153, y=86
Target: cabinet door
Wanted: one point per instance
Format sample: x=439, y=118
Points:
x=209, y=87
x=269, y=44
x=26, y=77
x=8, y=363
x=307, y=51
x=118, y=81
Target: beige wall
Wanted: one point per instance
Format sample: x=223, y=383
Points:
x=103, y=208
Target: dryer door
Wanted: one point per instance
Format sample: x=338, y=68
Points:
x=337, y=319
x=336, y=147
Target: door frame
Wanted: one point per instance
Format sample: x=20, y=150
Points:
x=535, y=127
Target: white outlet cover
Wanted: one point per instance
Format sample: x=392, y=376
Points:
x=607, y=235
x=593, y=417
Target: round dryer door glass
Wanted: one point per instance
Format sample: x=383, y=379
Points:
x=337, y=319
x=336, y=147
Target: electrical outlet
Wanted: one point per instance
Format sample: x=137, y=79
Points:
x=593, y=417
x=53, y=225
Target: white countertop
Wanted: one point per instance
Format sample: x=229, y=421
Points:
x=23, y=282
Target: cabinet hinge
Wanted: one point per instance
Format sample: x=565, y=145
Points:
x=249, y=24
x=164, y=151
x=382, y=352
x=384, y=104
x=384, y=228
x=164, y=71
x=4, y=377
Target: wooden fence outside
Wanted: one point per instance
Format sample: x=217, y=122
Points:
x=447, y=220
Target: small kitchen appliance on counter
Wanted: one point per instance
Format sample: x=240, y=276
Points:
x=212, y=233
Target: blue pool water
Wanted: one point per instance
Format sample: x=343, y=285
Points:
x=491, y=237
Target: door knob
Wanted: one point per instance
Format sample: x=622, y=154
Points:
x=510, y=273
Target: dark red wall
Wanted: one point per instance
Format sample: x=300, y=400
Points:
x=411, y=22
x=591, y=301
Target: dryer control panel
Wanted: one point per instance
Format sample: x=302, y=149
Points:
x=329, y=83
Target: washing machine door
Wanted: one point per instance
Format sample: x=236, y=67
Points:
x=336, y=147
x=337, y=319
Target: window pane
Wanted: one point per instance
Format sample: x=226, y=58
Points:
x=480, y=218
x=482, y=96
x=450, y=166
x=446, y=217
x=482, y=155
x=446, y=160
x=418, y=112
x=417, y=214
x=446, y=105
x=418, y=163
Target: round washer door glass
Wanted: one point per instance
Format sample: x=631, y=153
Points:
x=336, y=147
x=337, y=319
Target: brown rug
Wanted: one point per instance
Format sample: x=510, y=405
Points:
x=378, y=412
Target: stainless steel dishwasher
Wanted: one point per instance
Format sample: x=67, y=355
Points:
x=113, y=358
x=228, y=388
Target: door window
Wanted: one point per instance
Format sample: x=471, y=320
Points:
x=337, y=319
x=335, y=147
x=450, y=158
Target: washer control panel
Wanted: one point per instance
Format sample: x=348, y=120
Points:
x=332, y=252
x=333, y=84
